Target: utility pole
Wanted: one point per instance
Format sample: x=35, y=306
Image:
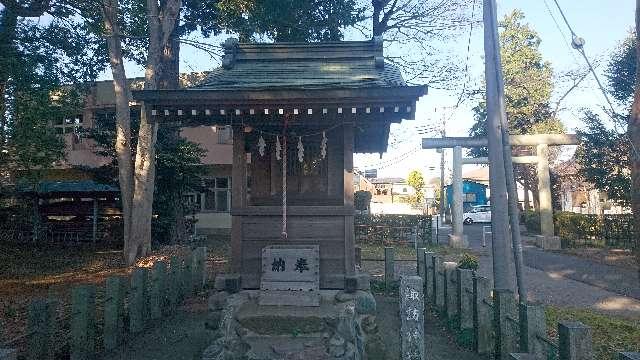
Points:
x=442, y=194
x=501, y=247
x=512, y=190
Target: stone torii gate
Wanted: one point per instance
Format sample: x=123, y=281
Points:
x=540, y=141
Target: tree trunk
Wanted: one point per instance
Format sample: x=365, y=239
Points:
x=144, y=186
x=123, y=119
x=376, y=4
x=634, y=134
x=526, y=189
x=170, y=79
x=161, y=62
x=8, y=23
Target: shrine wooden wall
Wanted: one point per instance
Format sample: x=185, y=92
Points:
x=323, y=230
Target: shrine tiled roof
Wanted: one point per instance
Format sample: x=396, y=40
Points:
x=67, y=186
x=333, y=65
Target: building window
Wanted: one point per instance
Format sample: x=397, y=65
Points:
x=68, y=125
x=224, y=134
x=217, y=196
x=192, y=203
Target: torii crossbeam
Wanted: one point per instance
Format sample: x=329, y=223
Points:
x=540, y=141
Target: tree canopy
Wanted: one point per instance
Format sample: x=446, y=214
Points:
x=39, y=64
x=604, y=154
x=416, y=181
x=528, y=82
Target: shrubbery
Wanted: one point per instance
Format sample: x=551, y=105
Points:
x=578, y=230
x=531, y=219
x=389, y=228
x=469, y=262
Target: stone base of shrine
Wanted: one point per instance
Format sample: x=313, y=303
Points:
x=342, y=327
x=548, y=242
x=458, y=242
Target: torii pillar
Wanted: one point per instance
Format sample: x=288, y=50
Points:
x=541, y=141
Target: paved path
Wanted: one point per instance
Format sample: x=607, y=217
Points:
x=615, y=279
x=564, y=280
x=438, y=345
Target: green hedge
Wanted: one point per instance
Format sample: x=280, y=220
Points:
x=389, y=228
x=586, y=230
x=580, y=230
x=531, y=219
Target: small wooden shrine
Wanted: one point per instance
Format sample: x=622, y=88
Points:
x=299, y=112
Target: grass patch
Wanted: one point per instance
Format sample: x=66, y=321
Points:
x=408, y=252
x=376, y=251
x=610, y=335
x=380, y=288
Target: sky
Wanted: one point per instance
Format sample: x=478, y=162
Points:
x=603, y=25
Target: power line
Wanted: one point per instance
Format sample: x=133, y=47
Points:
x=564, y=38
x=466, y=66
x=578, y=44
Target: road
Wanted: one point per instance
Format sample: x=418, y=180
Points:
x=555, y=278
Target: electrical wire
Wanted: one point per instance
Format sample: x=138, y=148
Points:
x=466, y=67
x=578, y=44
x=564, y=38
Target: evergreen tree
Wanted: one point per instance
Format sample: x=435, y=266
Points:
x=528, y=81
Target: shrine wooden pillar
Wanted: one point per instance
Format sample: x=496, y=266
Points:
x=238, y=196
x=349, y=227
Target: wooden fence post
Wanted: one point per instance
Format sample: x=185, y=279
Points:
x=389, y=267
x=173, y=292
x=157, y=290
x=483, y=333
x=420, y=268
x=137, y=300
x=532, y=329
x=450, y=293
x=115, y=293
x=438, y=284
x=83, y=322
x=187, y=276
x=465, y=298
x=200, y=268
x=428, y=278
x=40, y=329
x=506, y=323
x=574, y=341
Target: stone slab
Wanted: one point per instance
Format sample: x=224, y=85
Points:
x=522, y=356
x=412, y=318
x=289, y=298
x=290, y=275
x=292, y=263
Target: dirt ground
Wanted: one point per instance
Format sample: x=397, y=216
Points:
x=29, y=272
x=182, y=337
x=438, y=344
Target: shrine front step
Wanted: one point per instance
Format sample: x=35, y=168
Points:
x=289, y=298
x=287, y=320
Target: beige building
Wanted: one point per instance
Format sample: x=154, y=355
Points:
x=211, y=207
